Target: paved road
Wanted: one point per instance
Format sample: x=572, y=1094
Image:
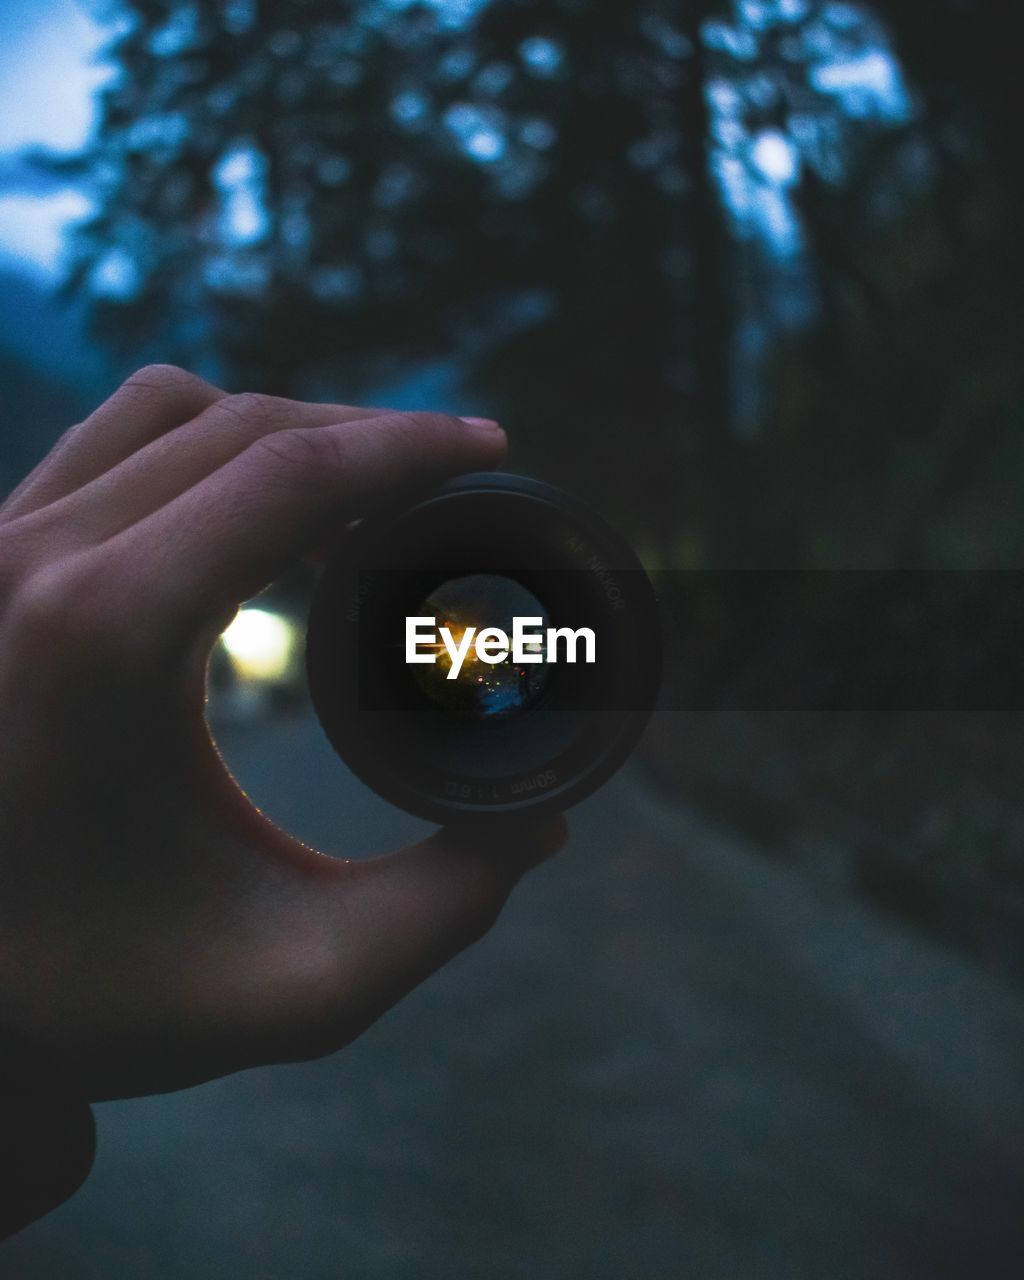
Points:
x=673, y=1058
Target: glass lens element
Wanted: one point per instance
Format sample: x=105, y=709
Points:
x=483, y=692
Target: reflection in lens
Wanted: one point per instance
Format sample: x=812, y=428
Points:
x=482, y=691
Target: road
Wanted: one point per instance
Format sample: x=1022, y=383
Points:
x=673, y=1058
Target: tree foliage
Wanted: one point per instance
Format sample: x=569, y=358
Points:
x=673, y=245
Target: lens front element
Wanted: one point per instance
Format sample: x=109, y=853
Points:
x=461, y=680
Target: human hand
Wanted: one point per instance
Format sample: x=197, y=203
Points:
x=156, y=930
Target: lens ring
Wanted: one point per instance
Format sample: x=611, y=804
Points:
x=443, y=767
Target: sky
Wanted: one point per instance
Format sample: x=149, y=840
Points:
x=49, y=73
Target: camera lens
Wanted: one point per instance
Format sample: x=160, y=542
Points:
x=484, y=693
x=491, y=648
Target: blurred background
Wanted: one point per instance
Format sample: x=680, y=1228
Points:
x=745, y=275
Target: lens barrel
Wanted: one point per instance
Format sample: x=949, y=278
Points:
x=502, y=739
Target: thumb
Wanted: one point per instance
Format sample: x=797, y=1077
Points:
x=387, y=923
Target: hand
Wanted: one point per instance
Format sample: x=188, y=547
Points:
x=155, y=929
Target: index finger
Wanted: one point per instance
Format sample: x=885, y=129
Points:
x=224, y=539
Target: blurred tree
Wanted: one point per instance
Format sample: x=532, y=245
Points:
x=913, y=365
x=255, y=174
x=586, y=205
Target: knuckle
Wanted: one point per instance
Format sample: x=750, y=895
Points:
x=66, y=437
x=43, y=603
x=165, y=378
x=303, y=449
x=253, y=409
x=57, y=601
x=157, y=385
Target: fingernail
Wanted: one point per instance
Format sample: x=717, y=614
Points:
x=487, y=423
